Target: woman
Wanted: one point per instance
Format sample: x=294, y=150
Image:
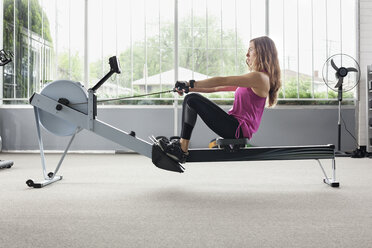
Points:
x=252, y=91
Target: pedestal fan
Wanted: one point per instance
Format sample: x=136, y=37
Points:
x=341, y=73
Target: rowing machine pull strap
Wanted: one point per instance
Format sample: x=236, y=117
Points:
x=162, y=161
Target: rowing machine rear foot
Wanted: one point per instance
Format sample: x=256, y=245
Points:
x=333, y=184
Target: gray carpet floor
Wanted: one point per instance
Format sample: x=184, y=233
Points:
x=122, y=200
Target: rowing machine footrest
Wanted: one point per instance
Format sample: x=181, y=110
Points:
x=162, y=161
x=232, y=144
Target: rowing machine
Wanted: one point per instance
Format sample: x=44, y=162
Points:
x=65, y=107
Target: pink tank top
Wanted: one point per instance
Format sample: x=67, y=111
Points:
x=247, y=109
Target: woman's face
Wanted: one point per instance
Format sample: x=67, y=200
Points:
x=251, y=54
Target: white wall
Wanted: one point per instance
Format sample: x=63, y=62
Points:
x=365, y=58
x=283, y=125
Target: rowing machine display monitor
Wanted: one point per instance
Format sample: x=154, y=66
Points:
x=115, y=64
x=114, y=68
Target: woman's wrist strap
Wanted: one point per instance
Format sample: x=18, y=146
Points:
x=192, y=83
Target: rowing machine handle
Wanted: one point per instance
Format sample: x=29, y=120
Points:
x=114, y=68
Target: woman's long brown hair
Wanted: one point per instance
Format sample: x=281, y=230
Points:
x=267, y=61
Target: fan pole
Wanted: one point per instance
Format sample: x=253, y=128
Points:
x=339, y=127
x=339, y=117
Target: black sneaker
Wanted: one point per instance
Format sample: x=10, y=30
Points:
x=174, y=138
x=173, y=149
x=162, y=141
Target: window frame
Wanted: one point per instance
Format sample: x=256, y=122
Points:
x=48, y=56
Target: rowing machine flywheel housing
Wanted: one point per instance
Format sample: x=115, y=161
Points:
x=75, y=93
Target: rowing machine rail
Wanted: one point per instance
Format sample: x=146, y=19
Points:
x=224, y=154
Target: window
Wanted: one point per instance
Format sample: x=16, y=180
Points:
x=212, y=36
x=306, y=34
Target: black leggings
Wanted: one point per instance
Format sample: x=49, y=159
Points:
x=216, y=118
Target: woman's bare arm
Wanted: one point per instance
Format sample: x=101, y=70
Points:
x=213, y=89
x=257, y=80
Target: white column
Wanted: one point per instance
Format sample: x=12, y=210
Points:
x=86, y=46
x=365, y=58
x=267, y=18
x=175, y=105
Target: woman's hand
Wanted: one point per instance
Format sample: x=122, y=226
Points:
x=182, y=87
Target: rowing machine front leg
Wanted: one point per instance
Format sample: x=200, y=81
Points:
x=43, y=183
x=331, y=181
x=50, y=177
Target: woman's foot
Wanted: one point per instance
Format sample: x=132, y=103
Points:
x=173, y=149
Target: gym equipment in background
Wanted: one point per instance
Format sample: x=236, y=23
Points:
x=65, y=107
x=341, y=73
x=5, y=58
